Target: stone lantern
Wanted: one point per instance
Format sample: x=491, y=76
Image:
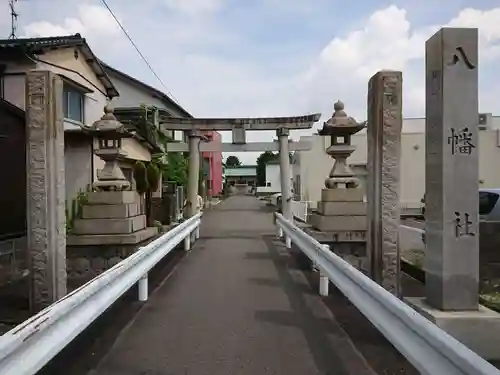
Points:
x=340, y=128
x=341, y=213
x=109, y=133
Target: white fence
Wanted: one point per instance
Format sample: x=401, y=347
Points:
x=300, y=210
x=411, y=238
x=266, y=190
x=28, y=347
x=431, y=350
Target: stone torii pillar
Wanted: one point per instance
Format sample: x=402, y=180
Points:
x=193, y=172
x=196, y=126
x=286, y=191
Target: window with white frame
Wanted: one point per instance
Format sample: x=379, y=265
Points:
x=73, y=103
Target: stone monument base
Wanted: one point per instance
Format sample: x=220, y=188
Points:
x=112, y=239
x=339, y=224
x=341, y=212
x=111, y=217
x=478, y=330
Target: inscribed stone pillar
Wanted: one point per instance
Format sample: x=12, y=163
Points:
x=384, y=150
x=451, y=174
x=46, y=220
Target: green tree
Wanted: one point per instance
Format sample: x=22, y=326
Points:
x=232, y=161
x=147, y=178
x=176, y=168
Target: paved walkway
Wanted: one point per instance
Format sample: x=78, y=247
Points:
x=234, y=305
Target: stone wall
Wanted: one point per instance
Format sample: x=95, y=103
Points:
x=13, y=259
x=163, y=209
x=86, y=262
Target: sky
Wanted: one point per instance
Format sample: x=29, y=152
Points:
x=242, y=58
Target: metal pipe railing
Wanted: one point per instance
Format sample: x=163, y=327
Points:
x=28, y=347
x=431, y=350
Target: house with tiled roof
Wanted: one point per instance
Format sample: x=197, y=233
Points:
x=88, y=87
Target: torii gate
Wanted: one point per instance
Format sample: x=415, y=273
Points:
x=238, y=126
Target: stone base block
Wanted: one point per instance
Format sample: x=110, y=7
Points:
x=478, y=330
x=339, y=223
x=110, y=211
x=341, y=195
x=112, y=197
x=109, y=226
x=111, y=239
x=342, y=208
x=337, y=236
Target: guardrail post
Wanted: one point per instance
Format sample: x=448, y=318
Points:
x=187, y=242
x=323, y=284
x=143, y=288
x=279, y=230
x=288, y=242
x=197, y=232
x=323, y=279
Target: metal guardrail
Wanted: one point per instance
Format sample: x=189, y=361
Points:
x=25, y=349
x=428, y=348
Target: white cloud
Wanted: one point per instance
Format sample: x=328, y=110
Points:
x=488, y=23
x=388, y=41
x=92, y=20
x=195, y=6
x=199, y=58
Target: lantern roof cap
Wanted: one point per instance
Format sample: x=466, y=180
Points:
x=108, y=122
x=341, y=124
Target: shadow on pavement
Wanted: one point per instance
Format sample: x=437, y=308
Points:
x=85, y=352
x=380, y=354
x=316, y=331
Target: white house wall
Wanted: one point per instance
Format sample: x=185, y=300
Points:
x=78, y=162
x=14, y=89
x=273, y=177
x=78, y=157
x=133, y=96
x=314, y=165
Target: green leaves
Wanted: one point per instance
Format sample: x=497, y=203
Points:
x=232, y=161
x=176, y=169
x=153, y=176
x=140, y=176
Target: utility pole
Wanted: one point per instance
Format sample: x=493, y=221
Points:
x=13, y=16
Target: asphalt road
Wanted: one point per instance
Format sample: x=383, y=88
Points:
x=236, y=304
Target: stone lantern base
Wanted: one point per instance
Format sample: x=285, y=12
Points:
x=341, y=222
x=342, y=213
x=111, y=217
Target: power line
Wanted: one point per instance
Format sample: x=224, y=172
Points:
x=139, y=52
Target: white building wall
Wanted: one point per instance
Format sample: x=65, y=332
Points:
x=273, y=177
x=14, y=89
x=314, y=165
